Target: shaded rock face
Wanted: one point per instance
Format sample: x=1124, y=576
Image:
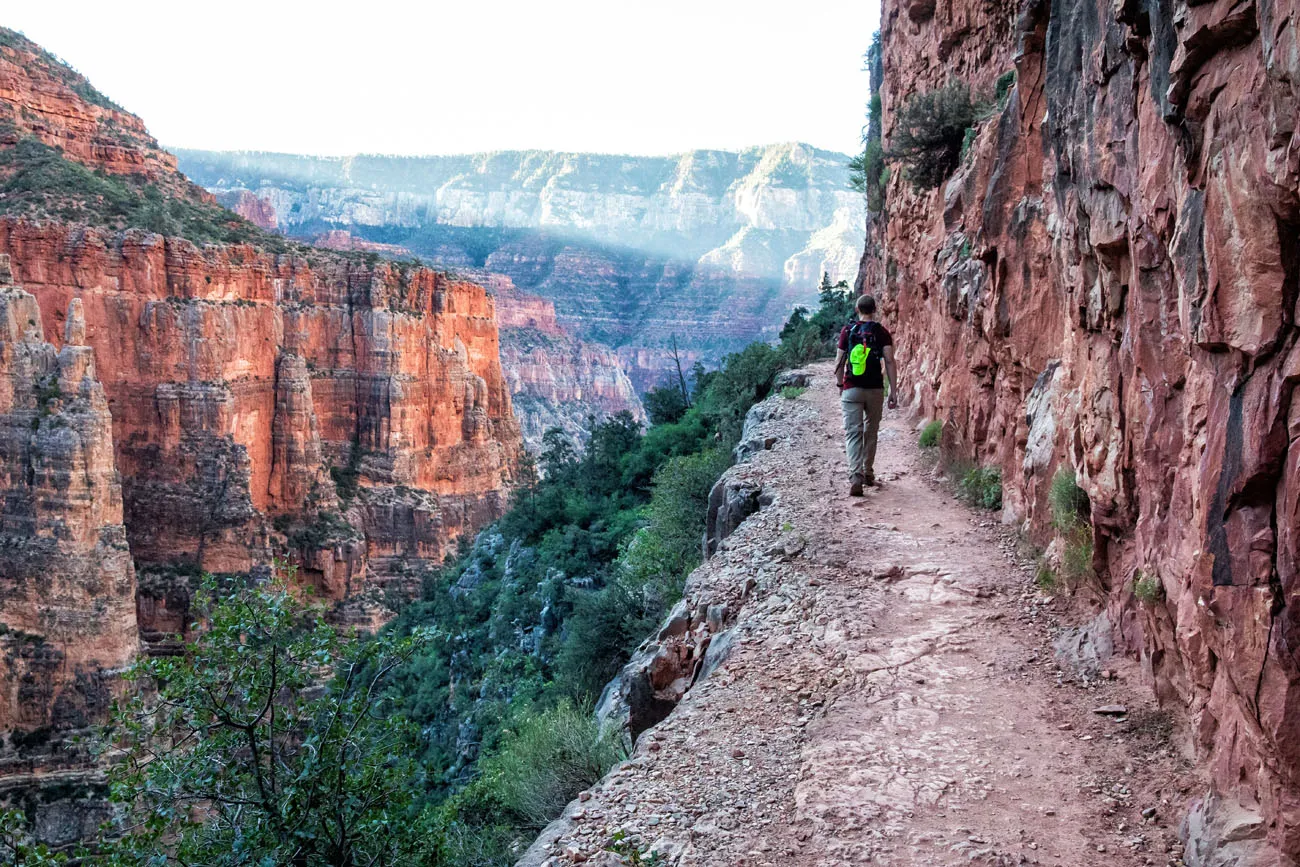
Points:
x=67, y=582
x=1109, y=284
x=555, y=380
x=354, y=416
x=712, y=247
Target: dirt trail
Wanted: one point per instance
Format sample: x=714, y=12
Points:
x=888, y=698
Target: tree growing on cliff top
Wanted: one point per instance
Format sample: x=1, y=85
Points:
x=929, y=131
x=268, y=742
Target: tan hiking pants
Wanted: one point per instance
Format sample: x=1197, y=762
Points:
x=860, y=443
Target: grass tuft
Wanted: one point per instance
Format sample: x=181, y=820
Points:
x=790, y=392
x=930, y=434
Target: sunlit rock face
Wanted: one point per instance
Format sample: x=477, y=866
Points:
x=1109, y=284
x=710, y=248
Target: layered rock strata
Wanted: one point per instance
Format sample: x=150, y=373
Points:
x=354, y=415
x=67, y=582
x=42, y=97
x=1108, y=287
x=708, y=248
x=555, y=380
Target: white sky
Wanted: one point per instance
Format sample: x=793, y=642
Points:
x=452, y=77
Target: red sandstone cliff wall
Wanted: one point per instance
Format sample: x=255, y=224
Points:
x=1109, y=283
x=67, y=584
x=237, y=379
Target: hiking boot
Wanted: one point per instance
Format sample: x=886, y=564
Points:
x=855, y=489
x=871, y=481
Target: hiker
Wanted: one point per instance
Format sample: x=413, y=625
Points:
x=865, y=346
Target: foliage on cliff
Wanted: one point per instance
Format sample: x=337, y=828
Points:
x=37, y=180
x=867, y=172
x=930, y=130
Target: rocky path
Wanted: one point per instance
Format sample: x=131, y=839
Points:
x=887, y=695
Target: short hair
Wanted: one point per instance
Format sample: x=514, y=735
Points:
x=866, y=305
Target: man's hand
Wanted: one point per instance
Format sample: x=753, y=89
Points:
x=893, y=398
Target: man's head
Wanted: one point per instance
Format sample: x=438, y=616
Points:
x=866, y=306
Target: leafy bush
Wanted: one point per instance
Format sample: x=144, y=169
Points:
x=17, y=846
x=930, y=434
x=245, y=750
x=546, y=759
x=982, y=487
x=929, y=132
x=1148, y=589
x=790, y=392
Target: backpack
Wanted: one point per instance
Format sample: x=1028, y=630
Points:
x=865, y=353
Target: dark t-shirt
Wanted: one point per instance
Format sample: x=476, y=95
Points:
x=874, y=377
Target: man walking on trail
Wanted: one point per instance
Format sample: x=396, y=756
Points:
x=865, y=347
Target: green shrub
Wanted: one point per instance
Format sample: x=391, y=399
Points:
x=929, y=132
x=665, y=404
x=930, y=434
x=982, y=487
x=1045, y=576
x=968, y=141
x=547, y=759
x=1002, y=90
x=1068, y=502
x=790, y=392
x=17, y=846
x=1148, y=589
x=42, y=182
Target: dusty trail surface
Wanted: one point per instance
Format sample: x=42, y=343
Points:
x=887, y=698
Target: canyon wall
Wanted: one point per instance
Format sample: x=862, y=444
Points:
x=711, y=249
x=353, y=413
x=67, y=583
x=1108, y=284
x=555, y=380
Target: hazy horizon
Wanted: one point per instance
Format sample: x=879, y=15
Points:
x=455, y=78
x=420, y=156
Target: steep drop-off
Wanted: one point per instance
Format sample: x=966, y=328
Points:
x=711, y=247
x=1109, y=284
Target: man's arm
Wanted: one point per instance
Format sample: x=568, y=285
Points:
x=892, y=373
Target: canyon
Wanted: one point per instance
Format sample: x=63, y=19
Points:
x=708, y=249
x=169, y=409
x=1107, y=288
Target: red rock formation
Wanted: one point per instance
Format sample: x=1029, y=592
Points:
x=1109, y=284
x=555, y=380
x=342, y=239
x=237, y=379
x=42, y=97
x=67, y=584
x=258, y=211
